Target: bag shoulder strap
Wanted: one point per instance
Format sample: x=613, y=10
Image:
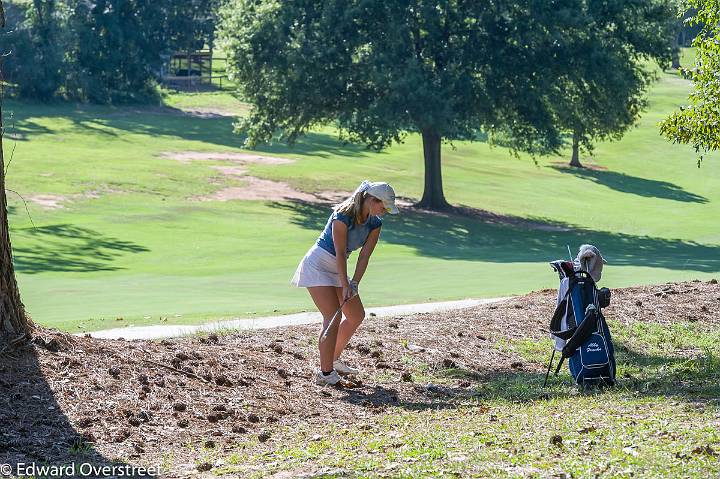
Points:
x=559, y=313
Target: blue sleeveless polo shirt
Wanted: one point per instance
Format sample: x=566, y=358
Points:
x=356, y=236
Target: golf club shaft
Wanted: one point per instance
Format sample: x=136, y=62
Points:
x=332, y=321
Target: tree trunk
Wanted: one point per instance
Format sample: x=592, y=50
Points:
x=575, y=160
x=433, y=197
x=676, y=52
x=675, y=48
x=13, y=320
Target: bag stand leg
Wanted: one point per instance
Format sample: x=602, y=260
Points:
x=549, y=367
x=559, y=365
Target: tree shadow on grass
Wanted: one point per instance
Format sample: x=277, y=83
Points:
x=17, y=129
x=114, y=122
x=680, y=378
x=35, y=430
x=475, y=235
x=634, y=185
x=381, y=397
x=320, y=145
x=67, y=248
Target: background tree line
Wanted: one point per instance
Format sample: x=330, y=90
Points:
x=102, y=51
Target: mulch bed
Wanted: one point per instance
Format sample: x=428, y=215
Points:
x=137, y=400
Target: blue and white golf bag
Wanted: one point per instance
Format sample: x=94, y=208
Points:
x=579, y=328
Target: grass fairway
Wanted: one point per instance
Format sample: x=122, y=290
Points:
x=133, y=245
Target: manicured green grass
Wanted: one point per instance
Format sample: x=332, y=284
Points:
x=660, y=422
x=132, y=243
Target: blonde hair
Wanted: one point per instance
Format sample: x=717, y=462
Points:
x=352, y=206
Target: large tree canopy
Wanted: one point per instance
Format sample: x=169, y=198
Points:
x=448, y=69
x=603, y=92
x=379, y=69
x=698, y=123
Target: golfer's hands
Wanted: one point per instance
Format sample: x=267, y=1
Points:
x=350, y=290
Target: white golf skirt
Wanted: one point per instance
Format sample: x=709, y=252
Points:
x=317, y=268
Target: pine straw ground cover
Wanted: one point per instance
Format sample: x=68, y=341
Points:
x=454, y=394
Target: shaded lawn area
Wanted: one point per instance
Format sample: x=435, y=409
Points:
x=476, y=235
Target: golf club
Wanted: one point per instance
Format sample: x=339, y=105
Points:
x=332, y=321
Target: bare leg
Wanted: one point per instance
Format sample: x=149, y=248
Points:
x=326, y=300
x=354, y=314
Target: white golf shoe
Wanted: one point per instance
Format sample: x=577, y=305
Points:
x=344, y=369
x=330, y=380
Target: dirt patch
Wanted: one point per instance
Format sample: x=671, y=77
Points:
x=235, y=157
x=231, y=170
x=332, y=196
x=56, y=202
x=49, y=202
x=268, y=190
x=92, y=194
x=96, y=193
x=259, y=189
x=254, y=188
x=145, y=400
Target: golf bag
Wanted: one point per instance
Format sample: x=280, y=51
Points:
x=579, y=328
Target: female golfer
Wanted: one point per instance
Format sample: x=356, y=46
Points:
x=353, y=223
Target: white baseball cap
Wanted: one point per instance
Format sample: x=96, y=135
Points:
x=384, y=193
